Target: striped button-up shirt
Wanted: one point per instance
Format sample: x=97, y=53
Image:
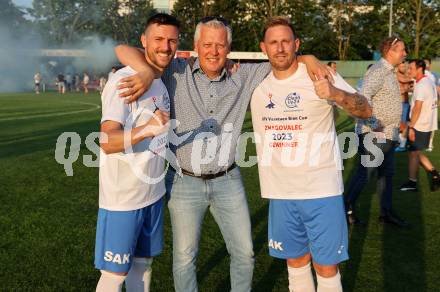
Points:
x=209, y=112
x=381, y=88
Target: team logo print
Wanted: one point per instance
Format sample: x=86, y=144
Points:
x=277, y=245
x=292, y=100
x=271, y=104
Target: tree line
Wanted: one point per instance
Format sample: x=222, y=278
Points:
x=330, y=29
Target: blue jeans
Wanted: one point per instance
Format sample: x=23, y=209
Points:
x=190, y=197
x=385, y=173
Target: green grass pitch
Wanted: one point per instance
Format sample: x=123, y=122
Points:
x=47, y=219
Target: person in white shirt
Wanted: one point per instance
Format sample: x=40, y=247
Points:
x=299, y=161
x=110, y=74
x=86, y=80
x=37, y=80
x=102, y=82
x=129, y=230
x=423, y=120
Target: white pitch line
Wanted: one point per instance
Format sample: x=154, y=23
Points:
x=95, y=107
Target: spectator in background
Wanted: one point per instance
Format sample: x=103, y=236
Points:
x=423, y=120
x=110, y=74
x=86, y=80
x=69, y=80
x=433, y=76
x=382, y=88
x=102, y=82
x=77, y=82
x=61, y=84
x=37, y=81
x=406, y=85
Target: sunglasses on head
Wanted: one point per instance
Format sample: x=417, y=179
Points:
x=395, y=41
x=211, y=18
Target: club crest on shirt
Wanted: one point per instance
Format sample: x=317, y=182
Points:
x=292, y=100
x=270, y=105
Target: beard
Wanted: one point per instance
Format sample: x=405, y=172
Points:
x=283, y=64
x=158, y=61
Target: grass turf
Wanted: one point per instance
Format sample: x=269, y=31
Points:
x=47, y=219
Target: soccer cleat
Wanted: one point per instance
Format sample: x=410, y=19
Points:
x=435, y=181
x=409, y=186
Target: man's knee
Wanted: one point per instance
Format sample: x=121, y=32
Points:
x=299, y=262
x=326, y=271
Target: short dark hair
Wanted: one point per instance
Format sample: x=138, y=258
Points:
x=162, y=19
x=330, y=63
x=388, y=43
x=278, y=20
x=419, y=64
x=428, y=59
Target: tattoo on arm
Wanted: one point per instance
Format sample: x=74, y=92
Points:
x=356, y=105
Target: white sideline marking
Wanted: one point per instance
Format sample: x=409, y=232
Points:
x=95, y=107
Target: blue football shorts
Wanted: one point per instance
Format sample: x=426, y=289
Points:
x=122, y=235
x=316, y=226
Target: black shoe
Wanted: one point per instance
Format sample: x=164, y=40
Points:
x=393, y=219
x=435, y=181
x=409, y=186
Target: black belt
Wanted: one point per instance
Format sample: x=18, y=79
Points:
x=209, y=176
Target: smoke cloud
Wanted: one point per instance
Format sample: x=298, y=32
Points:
x=21, y=56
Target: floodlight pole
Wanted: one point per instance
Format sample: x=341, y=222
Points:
x=390, y=28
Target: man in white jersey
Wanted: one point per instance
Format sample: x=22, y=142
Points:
x=423, y=120
x=300, y=163
x=130, y=226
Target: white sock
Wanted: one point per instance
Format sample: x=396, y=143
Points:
x=139, y=276
x=402, y=141
x=301, y=279
x=110, y=282
x=332, y=284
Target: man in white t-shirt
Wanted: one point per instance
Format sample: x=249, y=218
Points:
x=423, y=120
x=299, y=161
x=131, y=186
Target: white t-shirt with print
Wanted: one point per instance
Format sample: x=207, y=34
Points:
x=424, y=90
x=133, y=179
x=296, y=141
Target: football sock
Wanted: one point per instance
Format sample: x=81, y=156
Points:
x=402, y=141
x=139, y=276
x=301, y=279
x=110, y=282
x=332, y=284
